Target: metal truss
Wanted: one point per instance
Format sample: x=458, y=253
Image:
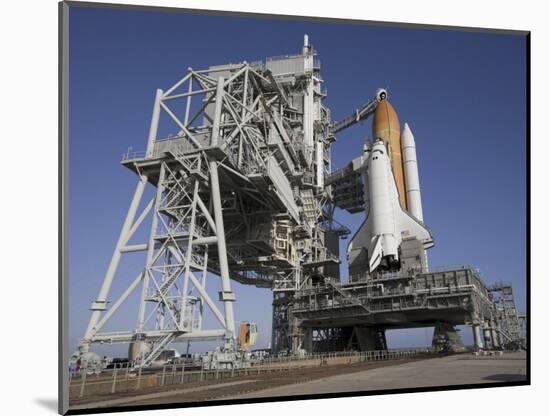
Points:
x=506, y=320
x=227, y=175
x=173, y=282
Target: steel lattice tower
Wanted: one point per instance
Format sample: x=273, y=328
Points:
x=239, y=193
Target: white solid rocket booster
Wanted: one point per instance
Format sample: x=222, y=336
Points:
x=410, y=165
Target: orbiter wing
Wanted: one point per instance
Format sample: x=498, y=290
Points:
x=408, y=226
x=365, y=240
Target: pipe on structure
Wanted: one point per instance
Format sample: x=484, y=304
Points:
x=412, y=181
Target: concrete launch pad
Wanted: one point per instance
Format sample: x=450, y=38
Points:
x=451, y=370
x=455, y=370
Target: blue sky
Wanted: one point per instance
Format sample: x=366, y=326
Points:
x=463, y=95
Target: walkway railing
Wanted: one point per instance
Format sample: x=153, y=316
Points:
x=123, y=379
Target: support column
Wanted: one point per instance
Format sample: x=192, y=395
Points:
x=307, y=343
x=280, y=322
x=487, y=336
x=295, y=332
x=189, y=258
x=371, y=338
x=478, y=345
x=501, y=339
x=446, y=338
x=226, y=295
x=150, y=250
x=153, y=128
x=382, y=343
x=215, y=139
x=495, y=335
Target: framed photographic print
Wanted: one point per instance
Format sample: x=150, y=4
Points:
x=269, y=208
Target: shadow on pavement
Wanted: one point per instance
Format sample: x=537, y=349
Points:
x=506, y=377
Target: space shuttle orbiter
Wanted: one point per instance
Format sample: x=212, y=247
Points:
x=387, y=223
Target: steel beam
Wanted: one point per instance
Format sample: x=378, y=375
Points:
x=100, y=303
x=222, y=249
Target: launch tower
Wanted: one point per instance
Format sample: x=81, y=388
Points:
x=243, y=191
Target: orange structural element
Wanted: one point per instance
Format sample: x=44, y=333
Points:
x=247, y=334
x=385, y=125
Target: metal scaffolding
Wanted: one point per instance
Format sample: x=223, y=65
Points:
x=239, y=193
x=243, y=191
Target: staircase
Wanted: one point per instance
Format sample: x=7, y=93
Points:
x=351, y=299
x=157, y=350
x=308, y=201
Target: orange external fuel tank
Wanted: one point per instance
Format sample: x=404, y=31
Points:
x=385, y=125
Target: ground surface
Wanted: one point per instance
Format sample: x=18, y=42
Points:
x=450, y=370
x=441, y=371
